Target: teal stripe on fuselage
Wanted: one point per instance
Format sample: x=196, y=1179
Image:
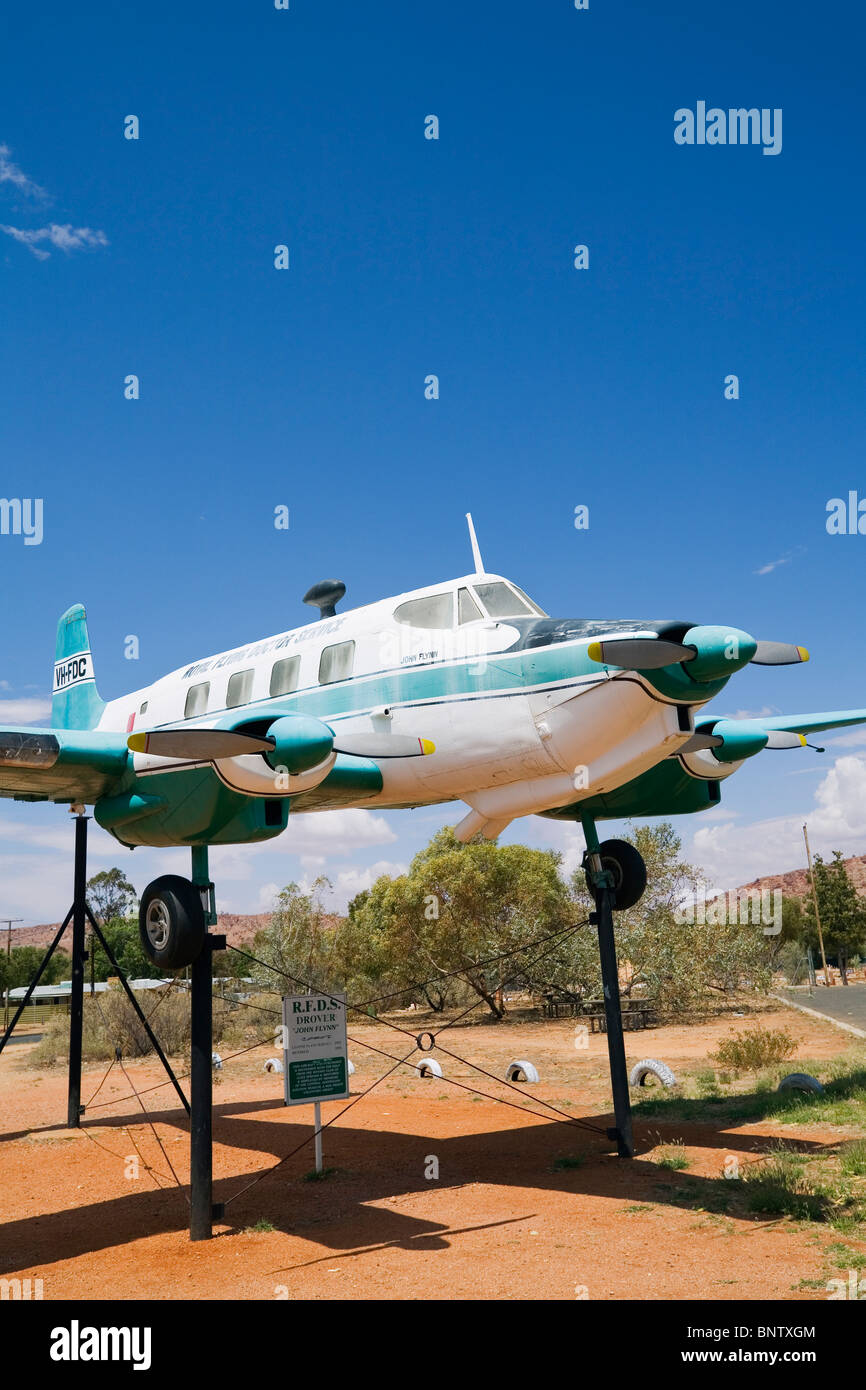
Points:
x=518, y=671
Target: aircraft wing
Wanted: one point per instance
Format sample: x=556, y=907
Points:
x=60, y=764
x=810, y=723
x=796, y=723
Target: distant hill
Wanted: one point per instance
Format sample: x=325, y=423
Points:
x=238, y=928
x=795, y=883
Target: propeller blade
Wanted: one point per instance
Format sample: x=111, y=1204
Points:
x=201, y=745
x=697, y=742
x=779, y=654
x=778, y=738
x=639, y=653
x=382, y=745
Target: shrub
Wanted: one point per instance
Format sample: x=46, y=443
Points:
x=755, y=1048
x=110, y=1021
x=673, y=1156
x=705, y=1081
x=852, y=1159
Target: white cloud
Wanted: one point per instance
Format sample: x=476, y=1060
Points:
x=785, y=559
x=565, y=836
x=268, y=894
x=731, y=854
x=322, y=836
x=36, y=845
x=752, y=713
x=350, y=882
x=24, y=711
x=64, y=238
x=855, y=739
x=10, y=173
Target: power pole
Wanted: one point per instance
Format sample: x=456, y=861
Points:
x=8, y=921
x=815, y=902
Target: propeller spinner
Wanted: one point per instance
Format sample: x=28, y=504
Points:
x=710, y=648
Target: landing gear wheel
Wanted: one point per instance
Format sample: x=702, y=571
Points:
x=171, y=922
x=627, y=870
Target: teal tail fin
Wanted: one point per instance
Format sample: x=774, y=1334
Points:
x=75, y=703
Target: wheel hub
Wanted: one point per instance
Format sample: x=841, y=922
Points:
x=157, y=924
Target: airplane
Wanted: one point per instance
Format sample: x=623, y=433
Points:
x=464, y=690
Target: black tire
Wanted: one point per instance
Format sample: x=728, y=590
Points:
x=171, y=922
x=627, y=869
x=801, y=1081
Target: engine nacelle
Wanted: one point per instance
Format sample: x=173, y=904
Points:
x=300, y=743
x=720, y=652
x=741, y=739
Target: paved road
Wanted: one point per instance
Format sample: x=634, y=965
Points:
x=846, y=1005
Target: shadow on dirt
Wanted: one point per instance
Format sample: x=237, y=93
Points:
x=374, y=1166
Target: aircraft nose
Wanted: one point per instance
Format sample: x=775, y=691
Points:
x=545, y=632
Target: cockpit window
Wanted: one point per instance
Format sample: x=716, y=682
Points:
x=533, y=606
x=435, y=610
x=501, y=601
x=467, y=609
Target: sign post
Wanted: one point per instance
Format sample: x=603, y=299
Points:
x=317, y=1121
x=315, y=1054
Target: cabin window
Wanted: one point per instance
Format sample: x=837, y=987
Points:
x=284, y=675
x=143, y=709
x=467, y=609
x=240, y=689
x=335, y=663
x=196, y=700
x=435, y=610
x=501, y=601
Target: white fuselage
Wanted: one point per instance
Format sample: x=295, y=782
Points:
x=516, y=731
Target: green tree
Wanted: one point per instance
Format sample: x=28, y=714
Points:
x=787, y=951
x=124, y=938
x=24, y=961
x=110, y=894
x=298, y=942
x=842, y=912
x=460, y=904
x=680, y=964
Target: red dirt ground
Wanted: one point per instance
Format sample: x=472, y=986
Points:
x=501, y=1222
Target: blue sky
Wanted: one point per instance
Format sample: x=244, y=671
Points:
x=455, y=257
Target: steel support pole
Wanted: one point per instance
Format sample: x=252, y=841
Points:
x=76, y=1000
x=202, y=1207
x=201, y=1097
x=602, y=918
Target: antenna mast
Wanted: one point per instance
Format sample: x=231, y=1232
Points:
x=476, y=553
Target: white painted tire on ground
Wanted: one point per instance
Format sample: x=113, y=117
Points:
x=801, y=1081
x=428, y=1066
x=273, y=1064
x=648, y=1066
x=521, y=1070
